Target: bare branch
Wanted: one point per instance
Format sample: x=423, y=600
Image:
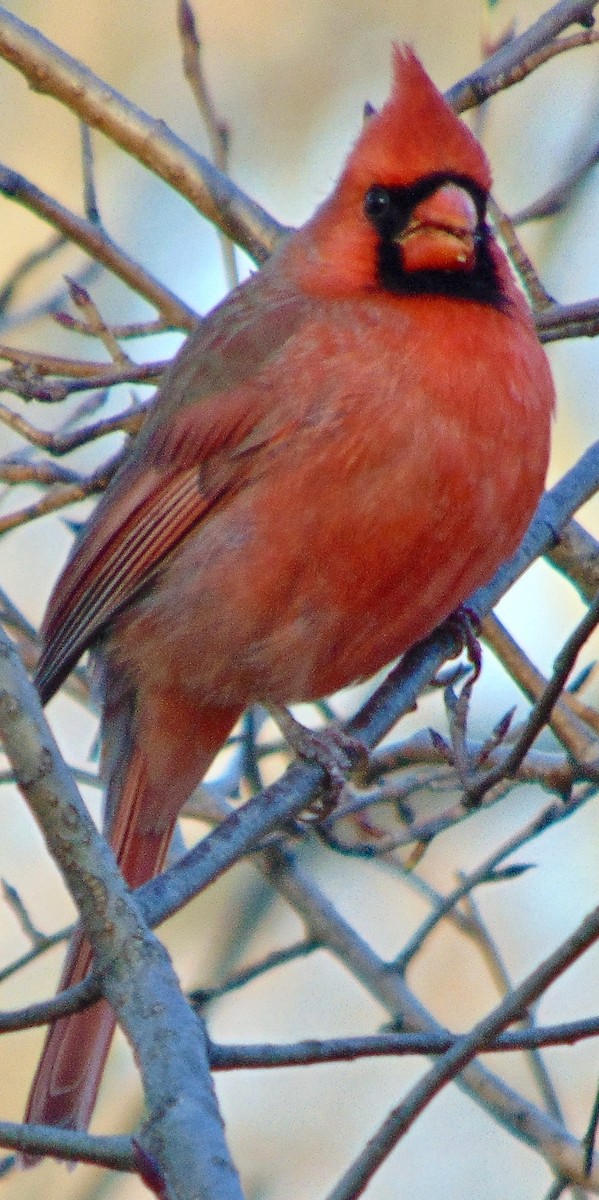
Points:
x=523, y=1119
x=114, y=1152
x=216, y=128
x=72, y=1000
x=96, y=326
x=514, y=60
x=97, y=243
x=54, y=73
x=58, y=497
x=28, y=264
x=41, y=946
x=466, y=1048
x=90, y=197
x=559, y=321
x=396, y=1045
x=539, y=297
x=541, y=711
x=31, y=385
x=576, y=554
x=557, y=198
x=570, y=718
x=63, y=443
x=180, y=1098
x=484, y=874
x=202, y=996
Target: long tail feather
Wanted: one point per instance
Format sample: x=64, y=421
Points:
x=69, y=1072
x=141, y=813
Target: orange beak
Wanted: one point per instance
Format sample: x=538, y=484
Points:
x=441, y=234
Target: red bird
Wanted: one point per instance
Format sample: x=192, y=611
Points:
x=352, y=442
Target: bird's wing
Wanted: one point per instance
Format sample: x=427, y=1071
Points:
x=181, y=467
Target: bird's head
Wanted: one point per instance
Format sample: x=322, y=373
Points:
x=408, y=214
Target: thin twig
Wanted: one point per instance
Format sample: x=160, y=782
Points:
x=90, y=196
x=573, y=722
x=113, y=1152
x=20, y=273
x=74, y=999
x=576, y=555
x=97, y=243
x=484, y=874
x=541, y=711
x=202, y=996
x=300, y=1054
x=96, y=325
x=539, y=296
x=559, y=321
x=30, y=385
x=557, y=1189
x=56, y=498
x=15, y=902
x=41, y=946
x=588, y=1140
x=59, y=443
x=216, y=128
x=132, y=329
x=499, y=972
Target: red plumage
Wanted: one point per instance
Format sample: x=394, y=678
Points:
x=346, y=447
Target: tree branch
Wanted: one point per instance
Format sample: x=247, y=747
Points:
x=115, y=1152
x=92, y=238
x=460, y=1055
x=131, y=961
x=54, y=73
x=520, y=1117
x=509, y=64
x=389, y=1045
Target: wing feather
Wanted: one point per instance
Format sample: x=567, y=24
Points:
x=125, y=565
x=211, y=420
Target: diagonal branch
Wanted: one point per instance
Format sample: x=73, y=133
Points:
x=519, y=1116
x=52, y=72
x=98, y=244
x=540, y=713
x=461, y=1053
x=508, y=64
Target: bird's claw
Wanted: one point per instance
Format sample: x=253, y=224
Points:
x=465, y=623
x=335, y=751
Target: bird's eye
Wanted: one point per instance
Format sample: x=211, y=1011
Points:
x=377, y=203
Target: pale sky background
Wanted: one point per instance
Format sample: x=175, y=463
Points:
x=291, y=77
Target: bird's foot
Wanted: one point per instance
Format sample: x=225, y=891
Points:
x=337, y=752
x=465, y=622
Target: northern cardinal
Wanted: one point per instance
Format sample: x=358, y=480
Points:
x=343, y=450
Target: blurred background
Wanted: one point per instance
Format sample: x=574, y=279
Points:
x=290, y=77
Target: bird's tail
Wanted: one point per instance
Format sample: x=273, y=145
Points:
x=144, y=798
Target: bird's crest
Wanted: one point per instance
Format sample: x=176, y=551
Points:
x=415, y=134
